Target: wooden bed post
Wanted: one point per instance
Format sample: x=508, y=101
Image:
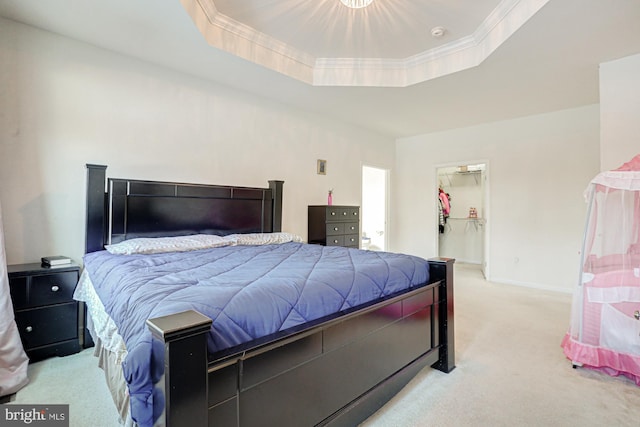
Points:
x=184, y=336
x=443, y=269
x=276, y=193
x=95, y=226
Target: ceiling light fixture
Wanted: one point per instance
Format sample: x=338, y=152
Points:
x=356, y=4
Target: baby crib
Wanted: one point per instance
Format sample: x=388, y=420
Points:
x=605, y=320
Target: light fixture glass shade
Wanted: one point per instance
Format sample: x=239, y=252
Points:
x=356, y=4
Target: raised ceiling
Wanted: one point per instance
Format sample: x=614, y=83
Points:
x=545, y=63
x=390, y=43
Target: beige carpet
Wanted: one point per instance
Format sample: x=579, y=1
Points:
x=74, y=380
x=510, y=368
x=510, y=372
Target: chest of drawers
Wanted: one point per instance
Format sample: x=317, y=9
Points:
x=334, y=225
x=46, y=314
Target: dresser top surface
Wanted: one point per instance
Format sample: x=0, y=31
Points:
x=334, y=206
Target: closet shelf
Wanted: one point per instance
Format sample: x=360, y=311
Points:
x=475, y=173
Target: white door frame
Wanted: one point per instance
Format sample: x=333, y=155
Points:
x=387, y=173
x=486, y=264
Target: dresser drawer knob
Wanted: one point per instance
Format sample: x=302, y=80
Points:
x=335, y=241
x=353, y=240
x=28, y=329
x=344, y=213
x=333, y=214
x=55, y=288
x=352, y=228
x=335, y=228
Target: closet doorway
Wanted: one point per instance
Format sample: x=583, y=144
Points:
x=375, y=183
x=463, y=212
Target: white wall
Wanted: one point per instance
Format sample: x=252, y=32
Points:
x=538, y=168
x=619, y=111
x=64, y=104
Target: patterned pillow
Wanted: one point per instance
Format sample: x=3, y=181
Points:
x=156, y=245
x=264, y=238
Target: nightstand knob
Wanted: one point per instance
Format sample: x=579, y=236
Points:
x=28, y=329
x=335, y=241
x=55, y=288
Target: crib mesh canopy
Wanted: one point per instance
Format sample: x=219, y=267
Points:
x=612, y=234
x=605, y=325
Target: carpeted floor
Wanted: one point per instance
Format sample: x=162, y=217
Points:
x=510, y=372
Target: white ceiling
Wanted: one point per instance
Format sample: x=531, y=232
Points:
x=528, y=62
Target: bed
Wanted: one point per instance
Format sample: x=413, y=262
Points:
x=315, y=367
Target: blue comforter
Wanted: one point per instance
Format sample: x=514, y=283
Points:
x=248, y=291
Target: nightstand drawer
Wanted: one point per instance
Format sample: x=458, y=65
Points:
x=52, y=288
x=46, y=325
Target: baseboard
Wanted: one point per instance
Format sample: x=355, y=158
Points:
x=531, y=285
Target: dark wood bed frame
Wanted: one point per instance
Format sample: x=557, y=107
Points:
x=337, y=371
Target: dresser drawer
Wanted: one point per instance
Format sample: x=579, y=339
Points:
x=340, y=213
x=46, y=325
x=349, y=240
x=351, y=228
x=336, y=228
x=335, y=240
x=52, y=288
x=352, y=240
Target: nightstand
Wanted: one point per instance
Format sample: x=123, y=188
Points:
x=47, y=316
x=334, y=225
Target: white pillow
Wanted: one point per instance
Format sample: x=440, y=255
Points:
x=264, y=238
x=156, y=245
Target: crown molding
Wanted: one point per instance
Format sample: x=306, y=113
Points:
x=229, y=35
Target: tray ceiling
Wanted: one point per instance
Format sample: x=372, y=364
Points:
x=390, y=43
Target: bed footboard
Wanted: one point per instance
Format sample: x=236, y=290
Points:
x=442, y=269
x=184, y=347
x=359, y=361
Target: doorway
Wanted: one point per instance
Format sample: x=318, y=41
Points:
x=462, y=231
x=375, y=182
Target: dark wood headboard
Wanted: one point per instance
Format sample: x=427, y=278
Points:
x=120, y=209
